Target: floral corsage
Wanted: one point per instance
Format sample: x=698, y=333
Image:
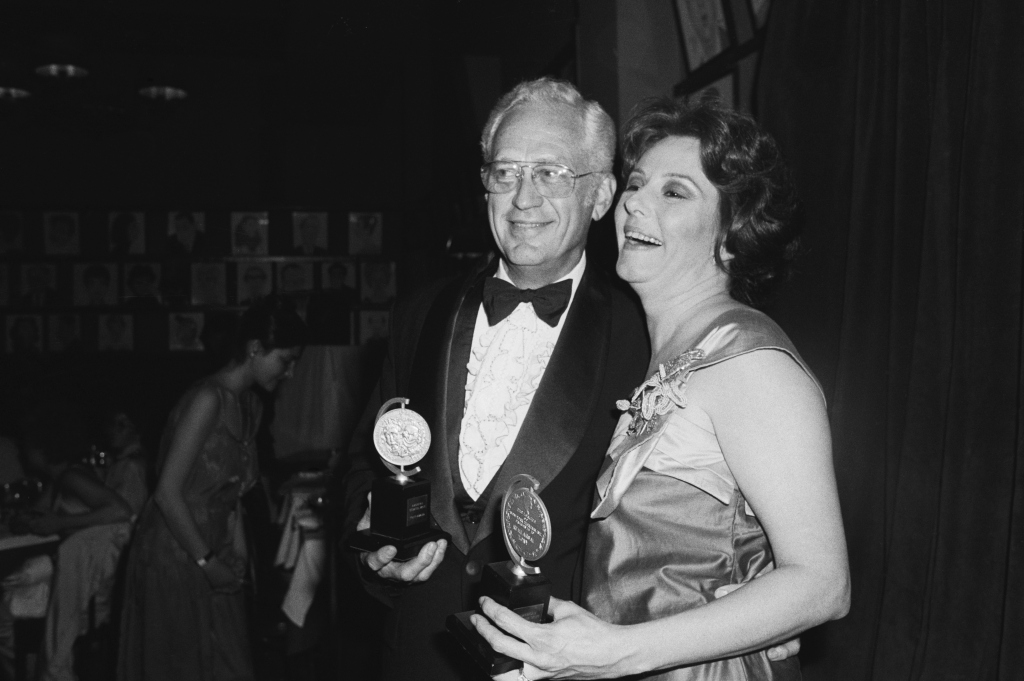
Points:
x=657, y=394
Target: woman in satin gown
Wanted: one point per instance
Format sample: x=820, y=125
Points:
x=184, y=609
x=720, y=471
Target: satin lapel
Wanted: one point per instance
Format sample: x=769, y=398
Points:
x=439, y=377
x=562, y=407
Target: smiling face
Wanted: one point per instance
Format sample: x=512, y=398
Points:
x=667, y=219
x=541, y=239
x=270, y=368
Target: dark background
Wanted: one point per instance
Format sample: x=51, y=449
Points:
x=902, y=121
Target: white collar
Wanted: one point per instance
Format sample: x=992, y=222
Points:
x=575, y=274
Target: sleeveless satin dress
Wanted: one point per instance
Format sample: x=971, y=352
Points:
x=672, y=525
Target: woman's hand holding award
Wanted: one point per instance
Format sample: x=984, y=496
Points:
x=400, y=512
x=515, y=584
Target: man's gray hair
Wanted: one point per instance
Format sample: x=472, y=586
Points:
x=598, y=128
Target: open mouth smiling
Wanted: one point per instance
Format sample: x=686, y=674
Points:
x=641, y=238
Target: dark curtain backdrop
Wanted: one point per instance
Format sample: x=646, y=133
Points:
x=904, y=123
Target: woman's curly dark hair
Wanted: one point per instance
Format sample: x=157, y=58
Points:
x=757, y=198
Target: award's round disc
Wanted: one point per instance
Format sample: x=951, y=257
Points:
x=402, y=437
x=525, y=520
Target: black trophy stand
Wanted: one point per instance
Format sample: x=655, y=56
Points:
x=400, y=511
x=515, y=584
x=512, y=586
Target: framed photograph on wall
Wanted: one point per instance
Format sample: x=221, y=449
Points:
x=60, y=233
x=186, y=233
x=309, y=234
x=95, y=284
x=184, y=331
x=249, y=233
x=126, y=233
x=12, y=232
x=373, y=325
x=115, y=332
x=365, y=233
x=65, y=332
x=24, y=333
x=255, y=279
x=142, y=284
x=293, y=277
x=38, y=285
x=209, y=286
x=339, y=275
x=377, y=283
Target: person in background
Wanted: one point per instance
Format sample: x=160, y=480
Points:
x=184, y=609
x=127, y=472
x=93, y=521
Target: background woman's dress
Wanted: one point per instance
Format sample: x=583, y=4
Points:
x=174, y=625
x=672, y=525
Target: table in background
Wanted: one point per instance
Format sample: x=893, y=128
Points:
x=302, y=549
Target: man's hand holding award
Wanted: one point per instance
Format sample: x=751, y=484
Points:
x=400, y=509
x=515, y=584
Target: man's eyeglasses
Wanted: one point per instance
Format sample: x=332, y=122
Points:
x=552, y=180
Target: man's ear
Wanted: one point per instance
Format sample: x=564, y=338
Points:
x=604, y=194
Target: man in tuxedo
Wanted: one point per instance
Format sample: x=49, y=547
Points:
x=516, y=368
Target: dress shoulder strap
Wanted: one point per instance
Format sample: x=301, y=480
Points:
x=739, y=331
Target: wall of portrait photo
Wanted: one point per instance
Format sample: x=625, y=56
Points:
x=209, y=284
x=365, y=233
x=60, y=233
x=249, y=234
x=294, y=277
x=255, y=280
x=141, y=284
x=378, y=284
x=186, y=233
x=119, y=279
x=126, y=233
x=95, y=284
x=309, y=234
x=115, y=332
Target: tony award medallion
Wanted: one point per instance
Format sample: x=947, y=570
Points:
x=515, y=584
x=400, y=508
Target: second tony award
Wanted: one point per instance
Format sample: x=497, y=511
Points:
x=515, y=584
x=400, y=505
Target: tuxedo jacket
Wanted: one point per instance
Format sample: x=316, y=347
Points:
x=601, y=354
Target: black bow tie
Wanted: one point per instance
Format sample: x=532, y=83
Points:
x=549, y=302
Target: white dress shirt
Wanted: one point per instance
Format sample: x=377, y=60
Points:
x=506, y=364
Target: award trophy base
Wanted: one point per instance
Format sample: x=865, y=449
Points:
x=408, y=547
x=526, y=595
x=400, y=517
